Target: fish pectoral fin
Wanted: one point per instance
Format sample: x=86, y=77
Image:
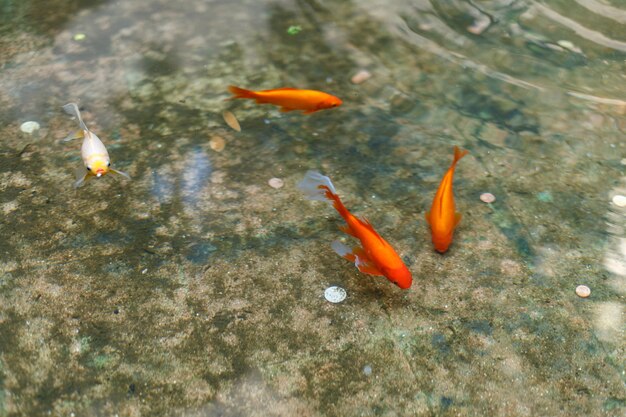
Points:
x=80, y=171
x=82, y=180
x=122, y=173
x=364, y=263
x=286, y=109
x=427, y=216
x=457, y=218
x=358, y=256
x=79, y=134
x=366, y=266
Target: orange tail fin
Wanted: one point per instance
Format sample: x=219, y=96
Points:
x=337, y=204
x=458, y=154
x=316, y=186
x=241, y=92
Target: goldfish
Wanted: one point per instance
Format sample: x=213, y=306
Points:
x=95, y=156
x=289, y=99
x=442, y=216
x=375, y=256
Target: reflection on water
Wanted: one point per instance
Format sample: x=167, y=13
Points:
x=197, y=289
x=609, y=318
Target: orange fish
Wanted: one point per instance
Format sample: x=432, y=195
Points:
x=375, y=256
x=442, y=216
x=289, y=99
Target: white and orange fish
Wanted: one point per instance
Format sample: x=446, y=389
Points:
x=95, y=156
x=289, y=99
x=442, y=216
x=375, y=256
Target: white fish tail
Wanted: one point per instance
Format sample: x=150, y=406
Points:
x=72, y=109
x=310, y=186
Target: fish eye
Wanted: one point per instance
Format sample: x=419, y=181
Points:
x=88, y=168
x=109, y=164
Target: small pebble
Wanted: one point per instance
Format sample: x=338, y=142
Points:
x=619, y=200
x=29, y=127
x=479, y=25
x=80, y=37
x=487, y=198
x=583, y=291
x=361, y=76
x=276, y=183
x=367, y=370
x=569, y=45
x=231, y=120
x=217, y=143
x=335, y=294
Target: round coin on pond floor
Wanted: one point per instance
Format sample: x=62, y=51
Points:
x=360, y=77
x=583, y=291
x=619, y=200
x=487, y=198
x=276, y=183
x=29, y=127
x=217, y=143
x=335, y=294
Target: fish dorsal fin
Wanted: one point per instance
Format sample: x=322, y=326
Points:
x=457, y=218
x=278, y=89
x=366, y=224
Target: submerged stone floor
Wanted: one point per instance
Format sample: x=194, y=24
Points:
x=196, y=289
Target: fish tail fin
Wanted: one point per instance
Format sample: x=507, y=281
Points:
x=241, y=92
x=72, y=109
x=458, y=154
x=316, y=186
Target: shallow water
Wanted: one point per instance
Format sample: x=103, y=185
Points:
x=196, y=289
